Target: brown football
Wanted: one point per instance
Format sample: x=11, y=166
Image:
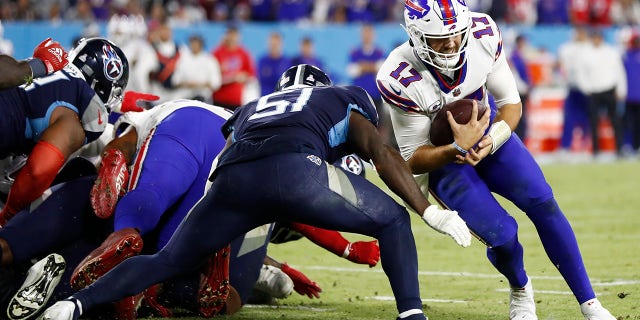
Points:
x=440, y=132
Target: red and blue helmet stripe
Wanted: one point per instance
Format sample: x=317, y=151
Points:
x=447, y=11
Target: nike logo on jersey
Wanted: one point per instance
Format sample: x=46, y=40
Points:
x=396, y=91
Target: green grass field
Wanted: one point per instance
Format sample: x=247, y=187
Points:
x=601, y=202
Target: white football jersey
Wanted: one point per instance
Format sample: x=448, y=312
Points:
x=415, y=91
x=146, y=120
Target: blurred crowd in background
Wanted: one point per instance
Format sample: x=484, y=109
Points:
x=600, y=79
x=527, y=12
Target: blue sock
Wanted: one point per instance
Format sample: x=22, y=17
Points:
x=561, y=246
x=508, y=259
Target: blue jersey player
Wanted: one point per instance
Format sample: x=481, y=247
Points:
x=48, y=57
x=276, y=167
x=451, y=54
x=51, y=117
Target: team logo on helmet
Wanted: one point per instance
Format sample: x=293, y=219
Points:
x=113, y=66
x=416, y=9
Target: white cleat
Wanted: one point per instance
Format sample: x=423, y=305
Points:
x=521, y=303
x=61, y=310
x=42, y=279
x=593, y=310
x=274, y=282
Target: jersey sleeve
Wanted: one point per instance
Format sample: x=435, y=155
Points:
x=365, y=104
x=502, y=84
x=411, y=130
x=94, y=119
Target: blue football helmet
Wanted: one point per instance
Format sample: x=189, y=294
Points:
x=105, y=68
x=302, y=75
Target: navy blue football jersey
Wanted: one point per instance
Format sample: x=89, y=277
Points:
x=25, y=111
x=312, y=120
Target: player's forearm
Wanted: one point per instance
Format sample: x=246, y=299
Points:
x=511, y=114
x=396, y=174
x=14, y=73
x=126, y=144
x=429, y=158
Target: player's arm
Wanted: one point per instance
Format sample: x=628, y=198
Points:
x=362, y=252
x=412, y=130
x=113, y=174
x=502, y=85
x=48, y=57
x=63, y=136
x=393, y=170
x=301, y=283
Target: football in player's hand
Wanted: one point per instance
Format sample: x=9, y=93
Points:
x=440, y=133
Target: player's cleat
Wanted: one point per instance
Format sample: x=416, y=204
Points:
x=274, y=282
x=593, y=310
x=214, y=283
x=119, y=246
x=521, y=305
x=62, y=310
x=42, y=279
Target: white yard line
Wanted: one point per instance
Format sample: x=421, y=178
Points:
x=594, y=282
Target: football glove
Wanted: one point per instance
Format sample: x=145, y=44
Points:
x=111, y=183
x=131, y=98
x=449, y=223
x=363, y=252
x=301, y=284
x=52, y=55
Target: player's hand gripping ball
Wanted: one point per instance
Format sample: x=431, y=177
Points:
x=440, y=133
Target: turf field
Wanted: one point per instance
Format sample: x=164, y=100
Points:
x=600, y=200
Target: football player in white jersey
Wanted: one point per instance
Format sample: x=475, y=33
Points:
x=452, y=54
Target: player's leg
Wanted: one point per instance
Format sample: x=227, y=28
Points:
x=211, y=225
x=513, y=173
x=316, y=193
x=460, y=188
x=60, y=219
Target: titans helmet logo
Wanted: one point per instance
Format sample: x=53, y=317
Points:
x=113, y=67
x=416, y=9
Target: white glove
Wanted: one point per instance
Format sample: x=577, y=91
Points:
x=448, y=222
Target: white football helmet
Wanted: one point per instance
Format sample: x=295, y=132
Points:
x=438, y=19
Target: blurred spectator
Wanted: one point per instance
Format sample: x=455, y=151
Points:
x=631, y=61
x=129, y=32
x=197, y=74
x=294, y=10
x=25, y=11
x=185, y=13
x=590, y=12
x=272, y=64
x=479, y=5
x=522, y=12
x=80, y=12
x=553, y=12
x=6, y=46
x=262, y=10
x=236, y=66
x=571, y=63
x=518, y=62
x=625, y=12
x=359, y=11
x=606, y=85
x=499, y=10
x=167, y=56
x=307, y=54
x=364, y=63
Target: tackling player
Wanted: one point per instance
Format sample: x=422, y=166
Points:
x=51, y=117
x=273, y=168
x=48, y=57
x=451, y=54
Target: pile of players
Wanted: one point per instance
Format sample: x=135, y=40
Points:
x=154, y=209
